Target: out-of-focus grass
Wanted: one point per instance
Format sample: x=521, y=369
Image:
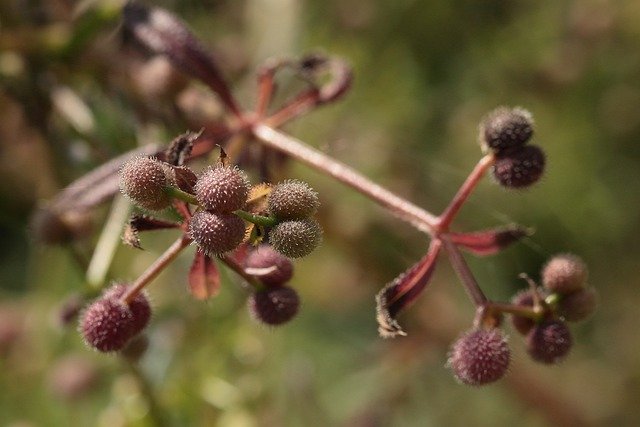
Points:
x=426, y=72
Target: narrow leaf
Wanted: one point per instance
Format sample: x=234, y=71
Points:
x=163, y=33
x=488, y=242
x=403, y=291
x=204, y=277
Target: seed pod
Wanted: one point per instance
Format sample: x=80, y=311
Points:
x=549, y=342
x=274, y=306
x=143, y=179
x=524, y=299
x=564, y=274
x=519, y=167
x=293, y=200
x=480, y=356
x=578, y=305
x=222, y=189
x=269, y=265
x=139, y=306
x=296, y=238
x=216, y=234
x=106, y=325
x=505, y=128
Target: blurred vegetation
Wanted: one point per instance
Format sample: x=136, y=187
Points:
x=72, y=97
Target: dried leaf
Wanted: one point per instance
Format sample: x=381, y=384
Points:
x=139, y=223
x=163, y=33
x=403, y=291
x=180, y=148
x=489, y=242
x=204, y=277
x=184, y=178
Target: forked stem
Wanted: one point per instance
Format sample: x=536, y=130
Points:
x=464, y=273
x=464, y=192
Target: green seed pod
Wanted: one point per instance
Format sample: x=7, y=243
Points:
x=143, y=179
x=293, y=200
x=297, y=238
x=216, y=234
x=222, y=189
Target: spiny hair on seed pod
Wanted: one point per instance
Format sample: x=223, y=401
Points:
x=549, y=342
x=216, y=234
x=519, y=167
x=274, y=306
x=480, y=356
x=564, y=274
x=296, y=238
x=293, y=199
x=269, y=265
x=578, y=305
x=506, y=127
x=222, y=189
x=143, y=180
x=106, y=325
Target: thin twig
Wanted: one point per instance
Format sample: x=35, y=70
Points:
x=403, y=209
x=466, y=276
x=463, y=193
x=154, y=269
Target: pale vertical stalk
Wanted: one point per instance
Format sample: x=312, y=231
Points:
x=108, y=242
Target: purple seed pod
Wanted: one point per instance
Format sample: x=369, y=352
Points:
x=549, y=342
x=143, y=179
x=222, y=189
x=519, y=167
x=578, y=305
x=564, y=274
x=523, y=324
x=293, y=199
x=139, y=306
x=216, y=234
x=107, y=325
x=269, y=265
x=506, y=127
x=274, y=306
x=480, y=356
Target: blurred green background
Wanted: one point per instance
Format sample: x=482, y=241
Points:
x=425, y=73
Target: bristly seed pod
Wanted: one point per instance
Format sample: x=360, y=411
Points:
x=505, y=128
x=578, y=305
x=274, y=306
x=216, y=234
x=108, y=323
x=293, y=199
x=296, y=238
x=143, y=179
x=564, y=273
x=519, y=167
x=480, y=356
x=222, y=189
x=274, y=268
x=549, y=342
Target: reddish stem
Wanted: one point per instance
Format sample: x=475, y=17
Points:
x=445, y=219
x=415, y=215
x=156, y=268
x=466, y=276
